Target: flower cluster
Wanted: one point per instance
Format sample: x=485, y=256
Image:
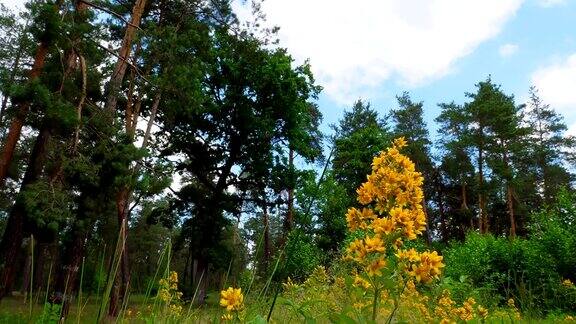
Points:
x=233, y=300
x=450, y=313
x=422, y=266
x=393, y=212
x=169, y=294
x=393, y=190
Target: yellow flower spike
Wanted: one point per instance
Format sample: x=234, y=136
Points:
x=567, y=283
x=232, y=299
x=400, y=142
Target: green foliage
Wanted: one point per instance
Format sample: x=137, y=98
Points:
x=530, y=270
x=301, y=256
x=48, y=207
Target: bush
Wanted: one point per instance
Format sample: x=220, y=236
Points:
x=535, y=271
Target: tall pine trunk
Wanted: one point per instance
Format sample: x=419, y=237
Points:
x=15, y=229
x=21, y=112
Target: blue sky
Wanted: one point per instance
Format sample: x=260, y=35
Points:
x=435, y=49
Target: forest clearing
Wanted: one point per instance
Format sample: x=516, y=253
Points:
x=171, y=161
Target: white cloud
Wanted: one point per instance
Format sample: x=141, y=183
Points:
x=355, y=46
x=507, y=50
x=551, y=3
x=556, y=84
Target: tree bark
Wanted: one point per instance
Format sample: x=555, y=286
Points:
x=267, y=247
x=290, y=214
x=15, y=231
x=121, y=65
x=482, y=217
x=440, y=195
x=22, y=111
x=11, y=80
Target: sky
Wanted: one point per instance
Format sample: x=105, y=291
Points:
x=437, y=50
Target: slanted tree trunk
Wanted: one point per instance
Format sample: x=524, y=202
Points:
x=15, y=231
x=12, y=78
x=122, y=281
x=22, y=109
x=121, y=65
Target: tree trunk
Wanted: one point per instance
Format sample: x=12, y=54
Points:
x=510, y=205
x=15, y=231
x=67, y=278
x=22, y=111
x=266, y=223
x=290, y=214
x=11, y=80
x=122, y=279
x=482, y=217
x=121, y=65
x=440, y=195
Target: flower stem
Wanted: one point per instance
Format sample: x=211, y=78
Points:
x=375, y=304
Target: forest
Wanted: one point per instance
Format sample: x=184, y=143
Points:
x=163, y=162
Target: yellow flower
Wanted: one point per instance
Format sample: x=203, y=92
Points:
x=567, y=283
x=374, y=244
x=173, y=278
x=227, y=317
x=511, y=303
x=408, y=255
x=569, y=318
x=400, y=142
x=175, y=310
x=289, y=284
x=232, y=299
x=360, y=282
x=429, y=267
x=375, y=267
x=483, y=312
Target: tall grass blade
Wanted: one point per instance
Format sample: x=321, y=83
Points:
x=112, y=272
x=195, y=293
x=260, y=240
x=47, y=291
x=80, y=292
x=31, y=277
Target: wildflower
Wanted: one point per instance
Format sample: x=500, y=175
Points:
x=289, y=284
x=409, y=255
x=567, y=283
x=569, y=318
x=511, y=303
x=374, y=244
x=175, y=310
x=375, y=267
x=482, y=312
x=227, y=317
x=360, y=282
x=232, y=299
x=428, y=267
